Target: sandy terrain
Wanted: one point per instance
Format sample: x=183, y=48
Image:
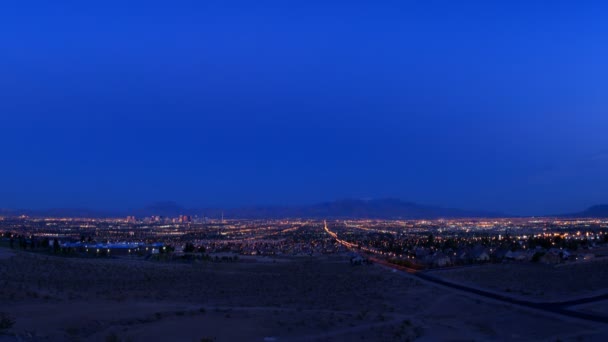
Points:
x=536, y=282
x=600, y=307
x=5, y=253
x=318, y=299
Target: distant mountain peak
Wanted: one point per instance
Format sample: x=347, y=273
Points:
x=598, y=210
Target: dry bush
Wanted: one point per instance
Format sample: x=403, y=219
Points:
x=6, y=322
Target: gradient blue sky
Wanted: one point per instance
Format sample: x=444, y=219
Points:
x=497, y=105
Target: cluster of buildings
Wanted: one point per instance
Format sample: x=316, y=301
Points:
x=113, y=248
x=445, y=243
x=424, y=243
x=137, y=237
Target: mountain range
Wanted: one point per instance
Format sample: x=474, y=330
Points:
x=600, y=211
x=347, y=208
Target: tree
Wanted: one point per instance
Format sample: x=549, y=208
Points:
x=189, y=248
x=56, y=247
x=431, y=239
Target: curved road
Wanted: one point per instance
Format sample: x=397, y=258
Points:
x=560, y=308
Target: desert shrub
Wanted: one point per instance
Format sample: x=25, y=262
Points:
x=112, y=337
x=6, y=322
x=536, y=257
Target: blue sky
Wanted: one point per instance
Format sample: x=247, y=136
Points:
x=496, y=105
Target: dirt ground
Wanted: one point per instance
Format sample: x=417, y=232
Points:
x=310, y=299
x=538, y=282
x=599, y=308
x=5, y=253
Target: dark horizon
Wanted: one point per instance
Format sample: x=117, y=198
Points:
x=381, y=208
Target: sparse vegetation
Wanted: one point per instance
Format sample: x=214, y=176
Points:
x=6, y=322
x=300, y=298
x=112, y=337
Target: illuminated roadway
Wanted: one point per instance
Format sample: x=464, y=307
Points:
x=560, y=308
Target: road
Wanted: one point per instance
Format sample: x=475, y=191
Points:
x=559, y=308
